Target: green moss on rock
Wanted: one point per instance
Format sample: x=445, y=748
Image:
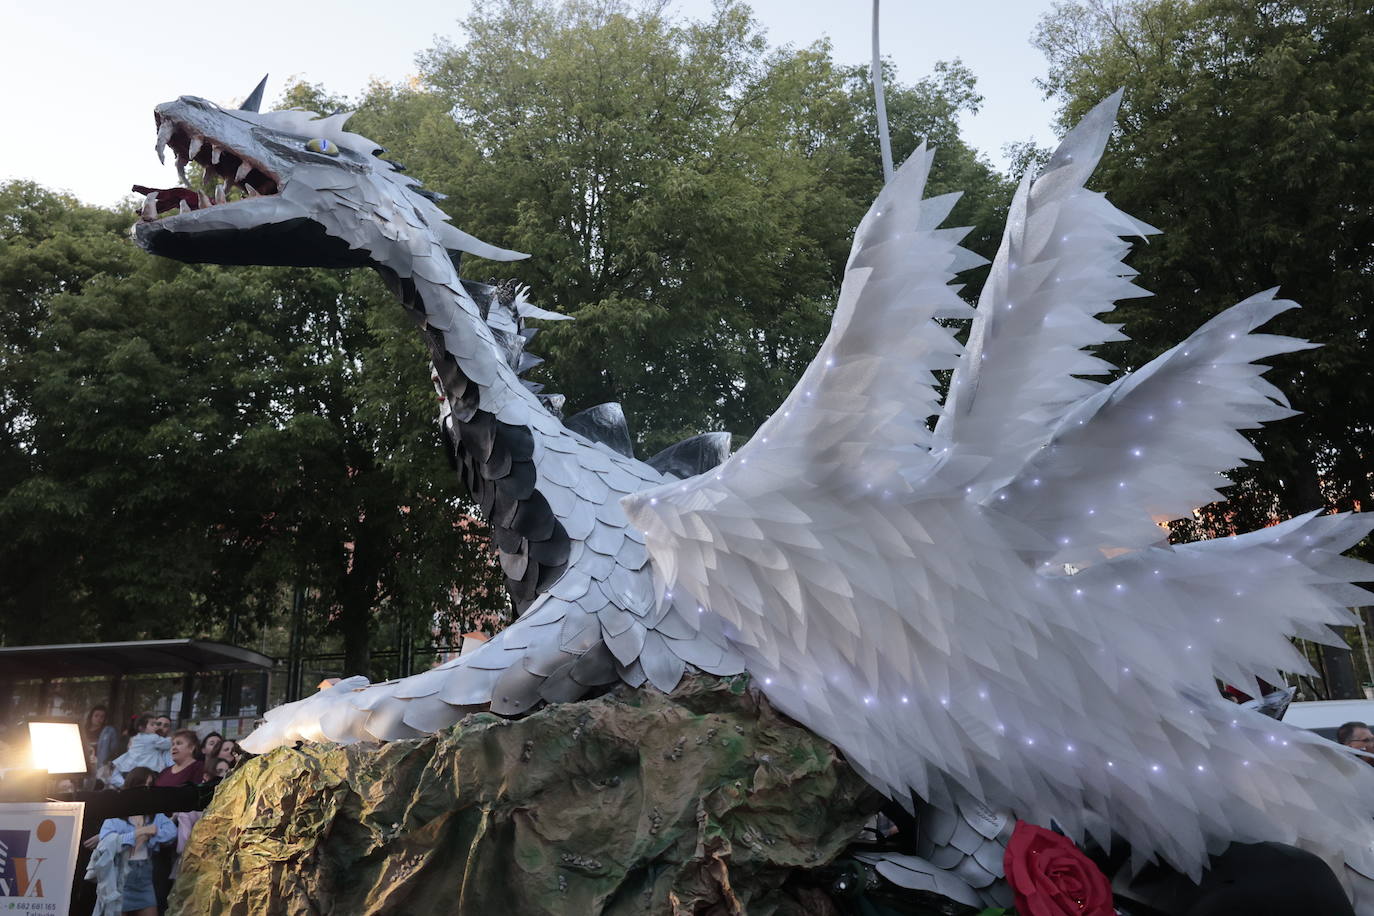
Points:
x=635, y=802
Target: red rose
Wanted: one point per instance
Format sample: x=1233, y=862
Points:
x=1050, y=876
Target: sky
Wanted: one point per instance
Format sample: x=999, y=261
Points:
x=83, y=75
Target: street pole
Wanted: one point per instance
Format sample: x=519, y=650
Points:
x=884, y=141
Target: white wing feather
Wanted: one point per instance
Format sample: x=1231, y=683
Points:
x=889, y=598
x=1059, y=267
x=1156, y=444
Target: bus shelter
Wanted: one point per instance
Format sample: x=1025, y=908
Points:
x=189, y=680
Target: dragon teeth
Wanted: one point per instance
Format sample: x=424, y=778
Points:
x=181, y=171
x=183, y=206
x=215, y=152
x=251, y=191
x=220, y=196
x=150, y=206
x=196, y=144
x=202, y=199
x=164, y=133
x=242, y=173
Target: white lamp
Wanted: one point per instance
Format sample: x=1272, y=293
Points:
x=55, y=745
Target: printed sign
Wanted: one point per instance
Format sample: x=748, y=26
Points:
x=38, y=856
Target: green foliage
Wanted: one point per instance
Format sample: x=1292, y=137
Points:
x=180, y=446
x=1246, y=136
x=687, y=194
x=181, y=442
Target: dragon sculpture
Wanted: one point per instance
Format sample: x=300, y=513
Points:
x=979, y=611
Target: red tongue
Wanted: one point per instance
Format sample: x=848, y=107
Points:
x=170, y=198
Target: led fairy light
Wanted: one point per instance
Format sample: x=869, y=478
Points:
x=934, y=582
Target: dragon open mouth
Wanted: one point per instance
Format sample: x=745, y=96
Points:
x=229, y=176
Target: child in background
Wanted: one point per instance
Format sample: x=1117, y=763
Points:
x=146, y=749
x=141, y=834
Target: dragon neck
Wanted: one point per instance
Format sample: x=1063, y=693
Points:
x=489, y=432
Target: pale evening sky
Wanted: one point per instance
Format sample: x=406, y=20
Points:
x=82, y=76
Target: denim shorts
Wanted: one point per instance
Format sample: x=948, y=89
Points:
x=138, y=885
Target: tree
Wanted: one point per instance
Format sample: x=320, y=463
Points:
x=1245, y=135
x=181, y=442
x=188, y=443
x=687, y=194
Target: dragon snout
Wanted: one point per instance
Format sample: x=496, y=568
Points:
x=229, y=174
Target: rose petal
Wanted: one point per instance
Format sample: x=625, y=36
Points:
x=1050, y=876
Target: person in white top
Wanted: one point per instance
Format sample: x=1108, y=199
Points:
x=147, y=748
x=141, y=834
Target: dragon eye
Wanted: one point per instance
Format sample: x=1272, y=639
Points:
x=321, y=145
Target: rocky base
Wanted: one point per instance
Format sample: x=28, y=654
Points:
x=705, y=801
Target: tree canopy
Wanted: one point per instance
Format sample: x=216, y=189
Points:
x=1245, y=136
x=182, y=445
x=686, y=193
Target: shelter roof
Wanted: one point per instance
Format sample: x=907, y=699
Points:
x=150, y=656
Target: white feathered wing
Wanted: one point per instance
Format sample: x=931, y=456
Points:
x=906, y=595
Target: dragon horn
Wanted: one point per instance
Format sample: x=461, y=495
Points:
x=254, y=100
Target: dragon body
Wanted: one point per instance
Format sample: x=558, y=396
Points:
x=591, y=613
x=981, y=612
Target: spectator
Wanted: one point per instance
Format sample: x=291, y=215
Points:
x=221, y=768
x=102, y=739
x=184, y=769
x=1357, y=735
x=142, y=835
x=209, y=747
x=229, y=750
x=164, y=726
x=146, y=749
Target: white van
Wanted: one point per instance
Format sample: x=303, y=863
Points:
x=1325, y=716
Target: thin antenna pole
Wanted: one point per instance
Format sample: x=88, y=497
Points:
x=884, y=141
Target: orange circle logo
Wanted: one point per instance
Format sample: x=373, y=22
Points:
x=46, y=831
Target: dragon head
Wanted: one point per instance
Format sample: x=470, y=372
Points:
x=289, y=188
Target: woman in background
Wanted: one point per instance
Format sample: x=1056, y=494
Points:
x=209, y=748
x=185, y=769
x=101, y=738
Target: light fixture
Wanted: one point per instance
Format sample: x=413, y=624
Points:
x=55, y=745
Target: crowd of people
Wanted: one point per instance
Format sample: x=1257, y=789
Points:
x=132, y=861
x=177, y=758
